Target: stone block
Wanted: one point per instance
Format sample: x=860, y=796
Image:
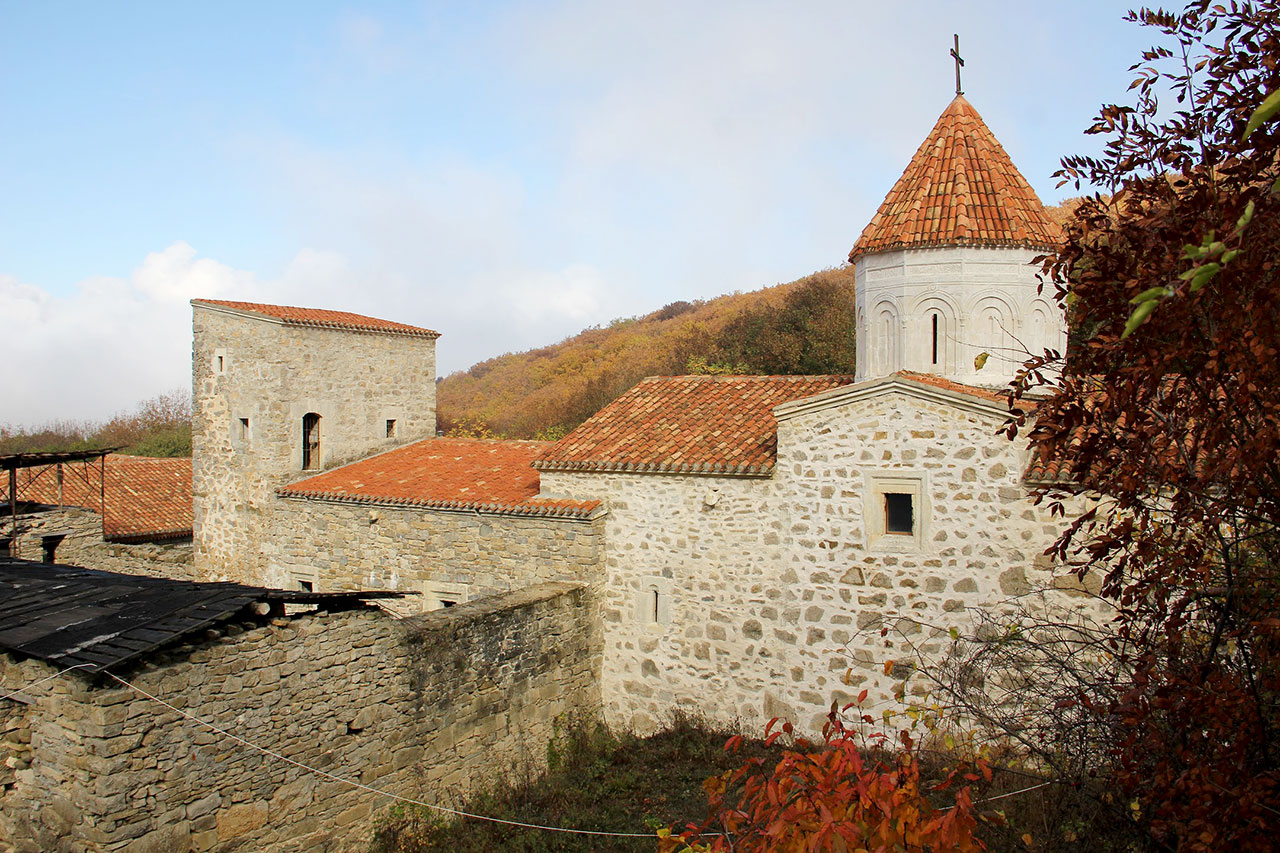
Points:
x=1013, y=581
x=241, y=819
x=167, y=839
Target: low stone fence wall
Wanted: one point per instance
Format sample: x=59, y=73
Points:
x=440, y=553
x=84, y=545
x=428, y=707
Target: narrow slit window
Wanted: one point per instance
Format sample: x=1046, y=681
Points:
x=935, y=338
x=655, y=606
x=899, y=515
x=242, y=429
x=310, y=441
x=391, y=427
x=221, y=362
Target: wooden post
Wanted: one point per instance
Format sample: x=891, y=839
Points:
x=13, y=509
x=102, y=493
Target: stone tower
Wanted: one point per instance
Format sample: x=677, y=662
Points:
x=280, y=393
x=943, y=271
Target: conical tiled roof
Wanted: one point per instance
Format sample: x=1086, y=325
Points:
x=960, y=189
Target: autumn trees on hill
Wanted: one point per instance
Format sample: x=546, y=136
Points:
x=805, y=327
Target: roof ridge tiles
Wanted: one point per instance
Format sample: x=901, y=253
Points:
x=320, y=318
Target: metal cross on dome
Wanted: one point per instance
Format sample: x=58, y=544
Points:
x=955, y=54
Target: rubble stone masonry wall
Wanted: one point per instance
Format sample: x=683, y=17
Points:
x=253, y=382
x=84, y=545
x=457, y=556
x=427, y=707
x=755, y=598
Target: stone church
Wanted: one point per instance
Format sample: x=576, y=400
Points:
x=754, y=546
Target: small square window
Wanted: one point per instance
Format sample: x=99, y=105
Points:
x=899, y=515
x=307, y=586
x=896, y=510
x=391, y=427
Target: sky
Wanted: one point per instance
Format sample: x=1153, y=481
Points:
x=505, y=173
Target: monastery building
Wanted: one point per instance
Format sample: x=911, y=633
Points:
x=753, y=546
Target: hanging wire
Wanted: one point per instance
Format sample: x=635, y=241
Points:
x=370, y=788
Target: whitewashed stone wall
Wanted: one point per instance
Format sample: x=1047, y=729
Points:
x=979, y=539
x=273, y=374
x=707, y=564
x=986, y=300
x=768, y=591
x=459, y=555
x=429, y=707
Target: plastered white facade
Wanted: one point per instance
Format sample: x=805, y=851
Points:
x=935, y=310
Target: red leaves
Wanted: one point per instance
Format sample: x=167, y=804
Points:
x=837, y=798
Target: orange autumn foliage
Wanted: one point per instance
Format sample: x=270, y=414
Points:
x=840, y=796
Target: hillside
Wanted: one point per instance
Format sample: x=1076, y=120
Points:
x=805, y=326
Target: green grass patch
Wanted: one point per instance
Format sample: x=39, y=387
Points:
x=596, y=780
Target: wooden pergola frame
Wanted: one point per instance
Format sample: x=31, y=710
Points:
x=42, y=463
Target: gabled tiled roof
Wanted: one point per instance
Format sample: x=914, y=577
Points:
x=321, y=318
x=446, y=473
x=686, y=425
x=147, y=498
x=960, y=189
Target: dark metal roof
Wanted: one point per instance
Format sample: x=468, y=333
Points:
x=68, y=615
x=31, y=460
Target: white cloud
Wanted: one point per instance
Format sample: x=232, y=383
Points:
x=509, y=177
x=113, y=341
x=177, y=275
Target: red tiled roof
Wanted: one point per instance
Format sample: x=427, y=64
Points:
x=686, y=425
x=960, y=189
x=446, y=473
x=322, y=318
x=945, y=384
x=147, y=498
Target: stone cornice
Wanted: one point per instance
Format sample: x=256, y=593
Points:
x=887, y=385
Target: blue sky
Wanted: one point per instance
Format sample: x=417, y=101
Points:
x=505, y=173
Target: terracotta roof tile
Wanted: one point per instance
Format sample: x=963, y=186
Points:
x=322, y=318
x=688, y=425
x=989, y=394
x=446, y=473
x=960, y=189
x=147, y=498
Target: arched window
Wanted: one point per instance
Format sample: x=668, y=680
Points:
x=933, y=335
x=1045, y=333
x=310, y=441
x=886, y=360
x=994, y=332
x=933, y=321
